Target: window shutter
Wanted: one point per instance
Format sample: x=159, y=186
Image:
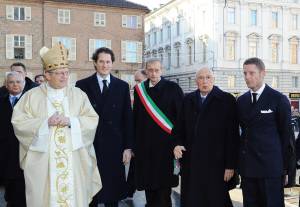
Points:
x=55, y=40
x=108, y=44
x=123, y=51
x=124, y=20
x=102, y=19
x=10, y=47
x=67, y=17
x=60, y=14
x=72, y=51
x=91, y=48
x=28, y=47
x=9, y=12
x=139, y=54
x=139, y=22
x=27, y=13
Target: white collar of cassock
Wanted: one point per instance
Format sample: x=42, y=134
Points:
x=55, y=94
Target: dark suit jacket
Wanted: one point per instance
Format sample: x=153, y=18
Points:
x=114, y=133
x=265, y=134
x=9, y=145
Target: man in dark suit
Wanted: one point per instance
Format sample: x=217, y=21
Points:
x=207, y=135
x=265, y=120
x=154, y=160
x=13, y=175
x=21, y=69
x=110, y=98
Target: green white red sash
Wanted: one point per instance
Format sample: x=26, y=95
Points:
x=155, y=113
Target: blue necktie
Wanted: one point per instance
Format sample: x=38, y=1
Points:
x=14, y=100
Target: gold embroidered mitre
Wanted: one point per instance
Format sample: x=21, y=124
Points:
x=54, y=58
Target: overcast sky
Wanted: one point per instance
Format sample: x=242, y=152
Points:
x=150, y=3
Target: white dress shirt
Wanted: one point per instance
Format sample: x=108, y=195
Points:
x=100, y=80
x=258, y=92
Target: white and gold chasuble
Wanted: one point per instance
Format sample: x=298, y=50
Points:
x=59, y=163
x=61, y=173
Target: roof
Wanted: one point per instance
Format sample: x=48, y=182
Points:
x=112, y=3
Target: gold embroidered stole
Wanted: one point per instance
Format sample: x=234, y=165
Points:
x=61, y=176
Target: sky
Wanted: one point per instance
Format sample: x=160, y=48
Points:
x=151, y=4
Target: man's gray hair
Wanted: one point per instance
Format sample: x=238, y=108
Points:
x=204, y=68
x=13, y=74
x=152, y=60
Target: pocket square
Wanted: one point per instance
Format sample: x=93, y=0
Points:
x=266, y=111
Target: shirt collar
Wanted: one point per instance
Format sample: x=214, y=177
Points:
x=260, y=90
x=151, y=85
x=18, y=96
x=100, y=78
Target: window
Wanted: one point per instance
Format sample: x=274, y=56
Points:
x=161, y=35
x=253, y=17
x=18, y=47
x=132, y=52
x=274, y=51
x=69, y=43
x=190, y=55
x=133, y=22
x=275, y=82
x=64, y=16
x=177, y=58
x=294, y=53
x=178, y=27
x=161, y=58
x=230, y=46
x=99, y=19
x=295, y=82
x=274, y=45
x=231, y=81
x=169, y=59
x=274, y=19
x=17, y=13
x=169, y=32
x=294, y=47
x=155, y=38
x=252, y=48
x=294, y=21
x=231, y=15
x=149, y=40
x=97, y=43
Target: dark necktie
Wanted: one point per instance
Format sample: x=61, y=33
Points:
x=105, y=88
x=254, y=100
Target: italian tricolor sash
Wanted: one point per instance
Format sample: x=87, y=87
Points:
x=155, y=113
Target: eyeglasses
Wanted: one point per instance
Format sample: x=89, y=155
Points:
x=65, y=73
x=202, y=78
x=15, y=82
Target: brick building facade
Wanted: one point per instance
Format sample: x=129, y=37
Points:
x=82, y=26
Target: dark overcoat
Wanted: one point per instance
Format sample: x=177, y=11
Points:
x=153, y=146
x=209, y=132
x=9, y=143
x=114, y=133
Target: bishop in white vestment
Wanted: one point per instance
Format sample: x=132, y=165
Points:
x=56, y=126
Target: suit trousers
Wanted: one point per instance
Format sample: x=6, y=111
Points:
x=15, y=193
x=263, y=192
x=158, y=198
